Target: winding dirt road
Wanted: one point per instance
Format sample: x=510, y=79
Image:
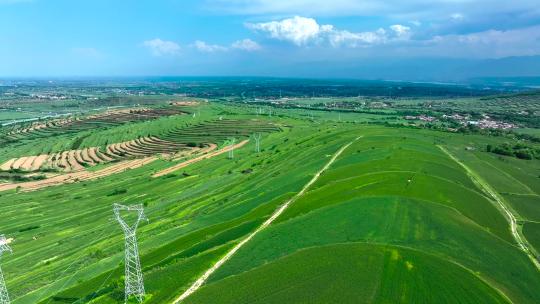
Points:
x=200, y=281
x=500, y=202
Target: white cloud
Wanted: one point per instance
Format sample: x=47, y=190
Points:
x=160, y=47
x=208, y=48
x=457, y=16
x=346, y=38
x=298, y=30
x=485, y=44
x=246, y=45
x=401, y=31
x=303, y=31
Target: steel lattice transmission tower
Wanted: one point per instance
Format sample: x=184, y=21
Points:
x=133, y=274
x=257, y=137
x=4, y=247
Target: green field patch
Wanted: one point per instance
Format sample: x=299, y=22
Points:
x=432, y=228
x=531, y=231
x=406, y=184
x=352, y=273
x=527, y=205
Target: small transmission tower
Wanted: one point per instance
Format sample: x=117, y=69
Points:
x=257, y=137
x=231, y=151
x=133, y=275
x=4, y=247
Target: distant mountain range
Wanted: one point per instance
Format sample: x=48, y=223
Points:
x=517, y=70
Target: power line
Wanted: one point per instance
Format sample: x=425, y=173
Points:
x=134, y=285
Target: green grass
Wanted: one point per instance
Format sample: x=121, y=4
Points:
x=531, y=231
x=352, y=273
x=434, y=229
x=363, y=209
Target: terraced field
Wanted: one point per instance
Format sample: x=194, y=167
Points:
x=197, y=139
x=77, y=160
x=393, y=218
x=76, y=124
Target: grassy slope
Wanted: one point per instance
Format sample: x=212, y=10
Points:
x=195, y=219
x=66, y=219
x=352, y=273
x=532, y=233
x=347, y=212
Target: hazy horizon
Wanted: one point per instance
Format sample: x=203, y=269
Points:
x=413, y=41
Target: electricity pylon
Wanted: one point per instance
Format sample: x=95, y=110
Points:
x=231, y=151
x=4, y=247
x=257, y=137
x=133, y=274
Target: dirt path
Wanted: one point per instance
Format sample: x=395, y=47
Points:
x=200, y=281
x=199, y=158
x=500, y=202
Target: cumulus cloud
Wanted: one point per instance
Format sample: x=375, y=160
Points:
x=401, y=31
x=298, y=30
x=302, y=31
x=484, y=44
x=208, y=48
x=246, y=45
x=160, y=47
x=243, y=45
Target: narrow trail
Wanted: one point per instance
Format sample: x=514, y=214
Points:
x=482, y=184
x=200, y=281
x=199, y=158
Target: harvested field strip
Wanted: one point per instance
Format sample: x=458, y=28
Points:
x=7, y=165
x=17, y=164
x=63, y=162
x=72, y=160
x=78, y=157
x=123, y=147
x=78, y=176
x=100, y=156
x=86, y=157
x=77, y=160
x=199, y=158
x=39, y=161
x=115, y=151
x=27, y=165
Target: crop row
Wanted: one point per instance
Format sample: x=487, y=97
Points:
x=219, y=130
x=72, y=125
x=77, y=160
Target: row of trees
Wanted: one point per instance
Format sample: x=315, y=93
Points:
x=518, y=150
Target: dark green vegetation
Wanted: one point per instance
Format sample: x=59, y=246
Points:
x=518, y=150
x=393, y=220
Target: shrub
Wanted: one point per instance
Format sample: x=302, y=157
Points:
x=117, y=192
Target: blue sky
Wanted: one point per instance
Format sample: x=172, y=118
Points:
x=258, y=37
